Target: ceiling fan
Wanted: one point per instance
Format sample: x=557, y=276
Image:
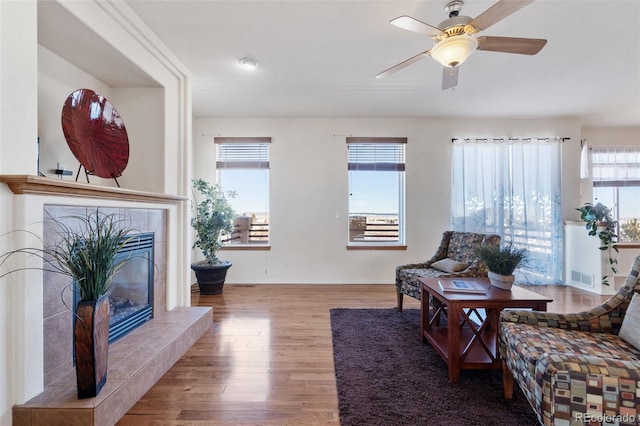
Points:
x=454, y=38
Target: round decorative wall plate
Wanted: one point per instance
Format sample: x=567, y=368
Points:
x=95, y=133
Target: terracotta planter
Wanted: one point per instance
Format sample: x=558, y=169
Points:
x=91, y=345
x=504, y=282
x=211, y=277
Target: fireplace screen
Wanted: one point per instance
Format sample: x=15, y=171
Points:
x=131, y=292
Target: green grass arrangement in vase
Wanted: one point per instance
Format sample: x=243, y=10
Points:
x=599, y=222
x=502, y=261
x=85, y=251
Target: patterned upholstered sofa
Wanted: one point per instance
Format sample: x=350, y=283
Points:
x=460, y=247
x=574, y=367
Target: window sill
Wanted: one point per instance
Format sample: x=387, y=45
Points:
x=629, y=245
x=376, y=247
x=246, y=247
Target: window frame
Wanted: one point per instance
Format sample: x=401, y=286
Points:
x=257, y=158
x=378, y=162
x=617, y=182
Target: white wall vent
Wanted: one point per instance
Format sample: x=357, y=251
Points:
x=582, y=278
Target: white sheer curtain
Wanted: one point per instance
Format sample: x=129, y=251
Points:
x=511, y=187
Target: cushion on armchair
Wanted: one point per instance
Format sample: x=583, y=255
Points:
x=449, y=265
x=462, y=246
x=630, y=329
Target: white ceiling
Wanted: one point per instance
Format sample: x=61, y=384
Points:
x=319, y=59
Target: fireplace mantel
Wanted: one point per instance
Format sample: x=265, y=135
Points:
x=37, y=185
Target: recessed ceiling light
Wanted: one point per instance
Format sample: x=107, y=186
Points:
x=248, y=63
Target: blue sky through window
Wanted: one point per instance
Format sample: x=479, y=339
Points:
x=251, y=187
x=374, y=192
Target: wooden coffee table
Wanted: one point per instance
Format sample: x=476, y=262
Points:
x=469, y=340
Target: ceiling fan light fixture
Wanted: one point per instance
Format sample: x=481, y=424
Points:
x=453, y=51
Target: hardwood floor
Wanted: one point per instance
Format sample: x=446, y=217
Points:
x=268, y=358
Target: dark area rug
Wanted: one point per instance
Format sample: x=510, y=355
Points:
x=386, y=376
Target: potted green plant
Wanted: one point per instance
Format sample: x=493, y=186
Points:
x=85, y=251
x=599, y=222
x=213, y=219
x=502, y=261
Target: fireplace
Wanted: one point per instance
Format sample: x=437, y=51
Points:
x=43, y=336
x=131, y=292
x=58, y=300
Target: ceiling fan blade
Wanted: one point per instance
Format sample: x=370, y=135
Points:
x=449, y=77
x=411, y=24
x=523, y=46
x=403, y=64
x=497, y=12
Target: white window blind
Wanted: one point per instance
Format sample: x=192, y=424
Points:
x=615, y=166
x=242, y=153
x=381, y=154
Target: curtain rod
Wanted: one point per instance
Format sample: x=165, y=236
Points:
x=503, y=140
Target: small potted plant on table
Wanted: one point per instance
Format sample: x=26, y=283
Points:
x=213, y=218
x=502, y=261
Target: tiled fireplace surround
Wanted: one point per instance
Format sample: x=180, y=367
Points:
x=136, y=361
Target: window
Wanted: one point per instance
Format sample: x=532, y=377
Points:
x=376, y=190
x=616, y=184
x=243, y=167
x=511, y=187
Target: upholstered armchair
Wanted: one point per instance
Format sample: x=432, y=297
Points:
x=577, y=367
x=456, y=257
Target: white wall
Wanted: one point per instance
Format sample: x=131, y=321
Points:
x=142, y=110
x=18, y=133
x=57, y=79
x=585, y=264
x=308, y=185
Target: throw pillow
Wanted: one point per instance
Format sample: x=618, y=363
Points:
x=449, y=265
x=630, y=329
